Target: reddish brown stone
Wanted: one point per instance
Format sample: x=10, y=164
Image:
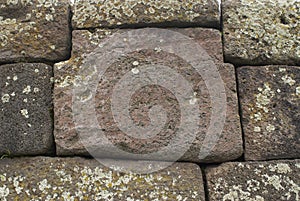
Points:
x=228, y=147
x=26, y=109
x=270, y=100
x=260, y=181
x=34, y=30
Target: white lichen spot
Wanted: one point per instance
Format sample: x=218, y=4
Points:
x=4, y=192
x=270, y=128
x=5, y=98
x=13, y=94
x=52, y=47
x=43, y=185
x=282, y=69
x=257, y=129
x=288, y=80
x=36, y=70
x=27, y=90
x=24, y=112
x=135, y=63
x=29, y=125
x=35, y=89
x=25, y=100
x=135, y=71
x=157, y=49
x=49, y=17
x=15, y=78
x=278, y=90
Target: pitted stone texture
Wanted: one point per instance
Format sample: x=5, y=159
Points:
x=26, y=109
x=43, y=178
x=101, y=13
x=261, y=32
x=67, y=138
x=255, y=181
x=34, y=30
x=270, y=101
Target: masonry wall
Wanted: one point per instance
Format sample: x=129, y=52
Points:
x=99, y=98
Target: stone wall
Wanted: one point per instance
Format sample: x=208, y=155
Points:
x=83, y=82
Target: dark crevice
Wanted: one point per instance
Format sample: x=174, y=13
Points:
x=205, y=183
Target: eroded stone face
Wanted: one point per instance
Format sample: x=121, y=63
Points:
x=33, y=30
x=43, y=178
x=261, y=32
x=66, y=73
x=270, y=101
x=259, y=181
x=26, y=109
x=101, y=13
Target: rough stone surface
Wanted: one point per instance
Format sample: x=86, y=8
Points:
x=26, y=109
x=67, y=139
x=34, y=30
x=270, y=101
x=101, y=13
x=261, y=32
x=255, y=181
x=43, y=178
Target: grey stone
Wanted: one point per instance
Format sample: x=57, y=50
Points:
x=43, y=178
x=26, y=109
x=34, y=30
x=261, y=32
x=261, y=181
x=270, y=101
x=100, y=13
x=69, y=142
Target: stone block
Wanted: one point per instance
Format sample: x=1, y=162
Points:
x=100, y=13
x=34, y=30
x=270, y=102
x=86, y=45
x=43, y=178
x=26, y=109
x=263, y=181
x=261, y=32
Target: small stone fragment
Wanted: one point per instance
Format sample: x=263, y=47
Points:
x=270, y=103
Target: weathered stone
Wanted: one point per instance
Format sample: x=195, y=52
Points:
x=42, y=178
x=270, y=101
x=101, y=13
x=229, y=145
x=26, y=109
x=261, y=32
x=34, y=30
x=260, y=181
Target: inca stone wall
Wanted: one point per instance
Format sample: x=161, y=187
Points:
x=238, y=140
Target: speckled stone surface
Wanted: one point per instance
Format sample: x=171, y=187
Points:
x=270, y=101
x=67, y=138
x=255, y=181
x=101, y=13
x=26, y=109
x=34, y=30
x=261, y=32
x=44, y=179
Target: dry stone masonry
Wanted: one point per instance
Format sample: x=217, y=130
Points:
x=46, y=45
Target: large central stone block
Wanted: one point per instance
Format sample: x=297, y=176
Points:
x=173, y=124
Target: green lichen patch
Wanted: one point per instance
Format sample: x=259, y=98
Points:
x=262, y=32
x=257, y=181
x=101, y=13
x=33, y=30
x=74, y=179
